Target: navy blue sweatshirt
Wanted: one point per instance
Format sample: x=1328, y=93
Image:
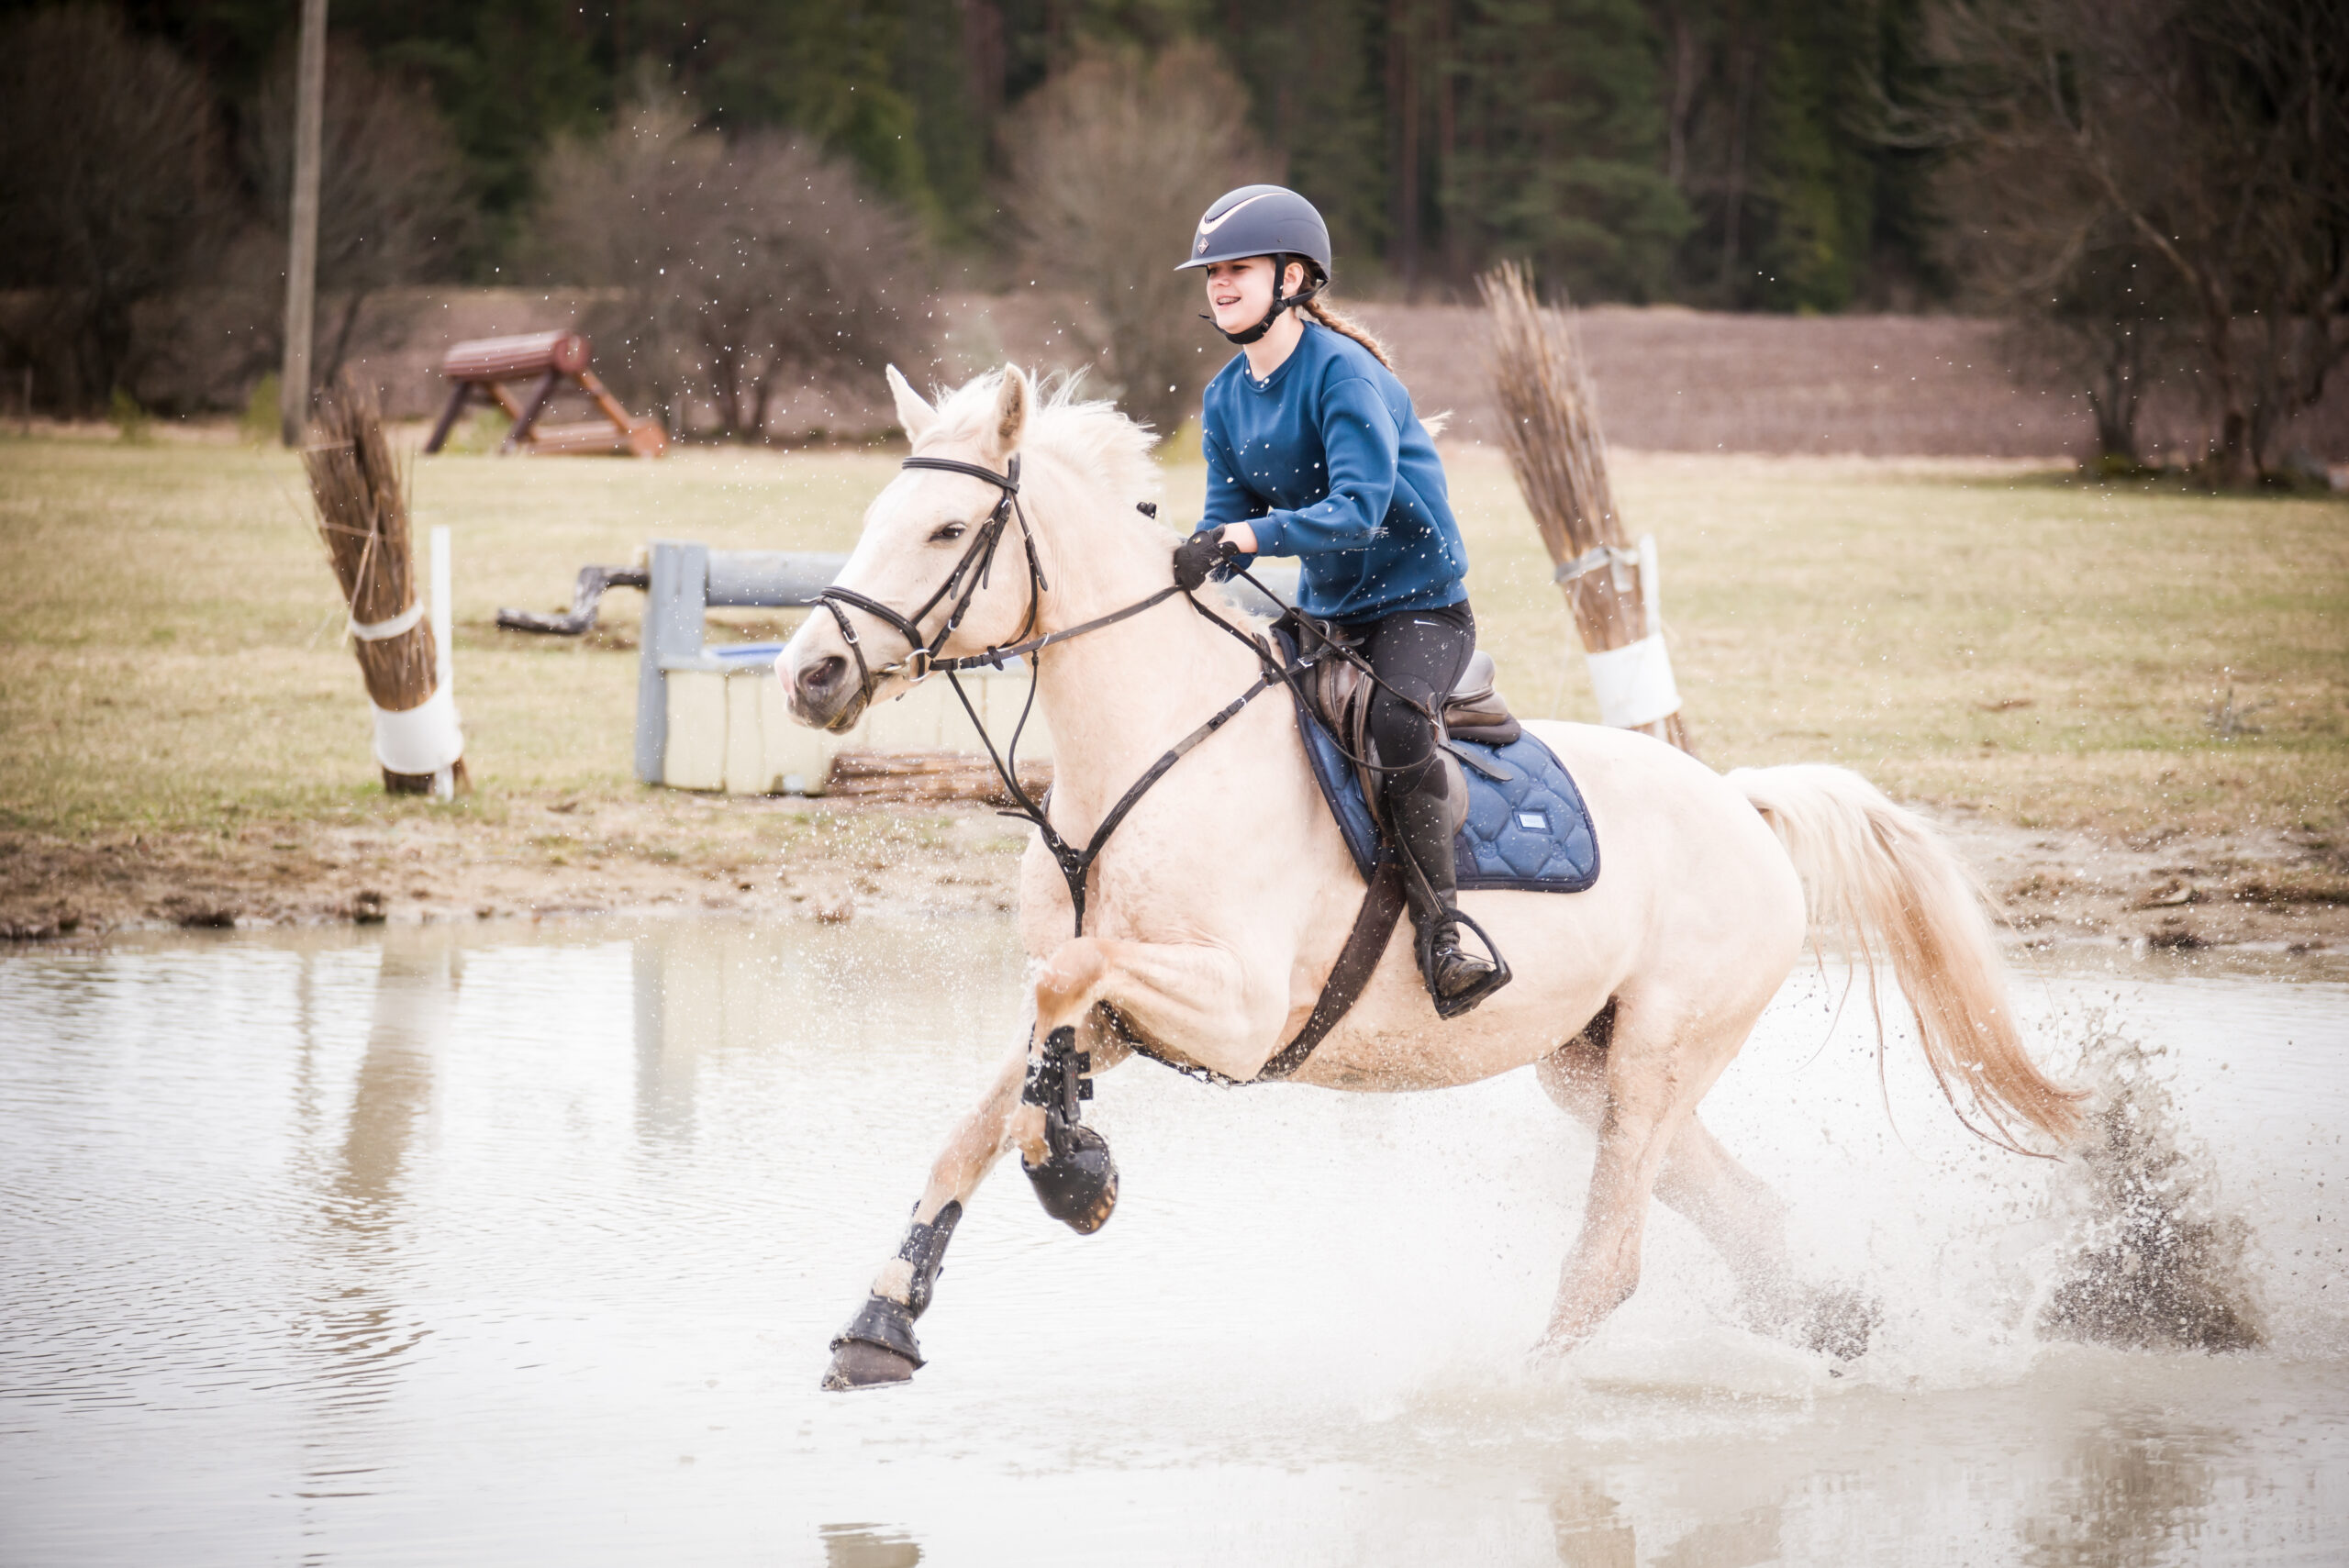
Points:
x=1327, y=461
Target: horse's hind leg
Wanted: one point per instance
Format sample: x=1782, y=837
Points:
x=1640, y=1088
x=1732, y=1208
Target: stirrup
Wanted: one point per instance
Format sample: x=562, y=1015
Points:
x=1452, y=1006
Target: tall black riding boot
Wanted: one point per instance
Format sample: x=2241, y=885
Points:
x=1456, y=980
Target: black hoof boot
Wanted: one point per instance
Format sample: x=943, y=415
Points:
x=877, y=1347
x=1077, y=1183
x=1077, y=1180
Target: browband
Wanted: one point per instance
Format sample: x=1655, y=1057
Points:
x=1006, y=483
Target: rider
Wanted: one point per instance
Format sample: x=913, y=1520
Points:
x=1313, y=450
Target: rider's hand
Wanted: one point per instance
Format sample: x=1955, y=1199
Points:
x=1198, y=556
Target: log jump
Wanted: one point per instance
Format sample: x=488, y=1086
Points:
x=545, y=361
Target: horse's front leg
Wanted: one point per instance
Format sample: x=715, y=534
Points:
x=878, y=1345
x=1170, y=991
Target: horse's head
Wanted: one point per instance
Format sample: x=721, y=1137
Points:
x=936, y=542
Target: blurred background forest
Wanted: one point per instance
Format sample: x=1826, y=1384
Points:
x=750, y=204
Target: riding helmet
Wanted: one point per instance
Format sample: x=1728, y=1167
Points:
x=1260, y=220
x=1264, y=220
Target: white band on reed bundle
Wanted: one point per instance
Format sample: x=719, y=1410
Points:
x=1634, y=683
x=385, y=631
x=1591, y=560
x=423, y=740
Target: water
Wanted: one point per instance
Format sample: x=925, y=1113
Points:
x=525, y=1245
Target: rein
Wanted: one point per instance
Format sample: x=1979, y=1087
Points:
x=923, y=659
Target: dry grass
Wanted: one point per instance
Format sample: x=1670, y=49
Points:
x=171, y=637
x=171, y=651
x=1973, y=635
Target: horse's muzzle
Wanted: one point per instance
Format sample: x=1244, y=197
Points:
x=822, y=692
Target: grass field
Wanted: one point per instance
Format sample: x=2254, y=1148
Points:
x=2126, y=659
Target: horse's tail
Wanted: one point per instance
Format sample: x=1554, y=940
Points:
x=1885, y=880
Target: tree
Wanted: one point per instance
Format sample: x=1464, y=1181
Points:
x=110, y=190
x=1111, y=162
x=1310, y=68
x=743, y=266
x=393, y=206
x=2216, y=134
x=2104, y=323
x=1786, y=131
x=1562, y=143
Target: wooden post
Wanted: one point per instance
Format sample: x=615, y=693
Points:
x=302, y=245
x=531, y=410
x=443, y=614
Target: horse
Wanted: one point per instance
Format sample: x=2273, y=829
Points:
x=1202, y=931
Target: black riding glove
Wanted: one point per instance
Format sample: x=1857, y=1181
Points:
x=1197, y=556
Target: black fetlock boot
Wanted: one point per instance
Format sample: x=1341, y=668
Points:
x=1457, y=981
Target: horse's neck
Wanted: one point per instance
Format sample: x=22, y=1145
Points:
x=1117, y=698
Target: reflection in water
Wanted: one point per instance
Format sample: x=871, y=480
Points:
x=2130, y=1492
x=360, y=1321
x=415, y=991
x=1592, y=1530
x=1733, y=1542
x=664, y=1061
x=868, y=1546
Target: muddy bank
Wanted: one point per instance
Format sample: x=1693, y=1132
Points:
x=563, y=855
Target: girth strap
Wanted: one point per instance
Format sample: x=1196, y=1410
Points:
x=1382, y=906
x=1373, y=927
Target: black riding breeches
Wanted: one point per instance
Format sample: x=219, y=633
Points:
x=1419, y=656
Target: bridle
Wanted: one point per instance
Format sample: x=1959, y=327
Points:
x=925, y=658
x=969, y=575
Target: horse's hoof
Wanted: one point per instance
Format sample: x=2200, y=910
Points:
x=856, y=1364
x=1077, y=1183
x=1838, y=1323
x=878, y=1346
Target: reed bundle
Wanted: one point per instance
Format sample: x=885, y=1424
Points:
x=1549, y=431
x=364, y=520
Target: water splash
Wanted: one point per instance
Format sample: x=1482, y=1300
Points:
x=2154, y=1261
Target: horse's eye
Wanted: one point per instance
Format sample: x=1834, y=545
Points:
x=947, y=534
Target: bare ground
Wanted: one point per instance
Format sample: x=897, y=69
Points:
x=566, y=857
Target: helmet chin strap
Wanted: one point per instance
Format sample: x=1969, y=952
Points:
x=1281, y=301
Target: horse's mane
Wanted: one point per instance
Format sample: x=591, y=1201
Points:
x=1087, y=434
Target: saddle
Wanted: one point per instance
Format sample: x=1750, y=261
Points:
x=1341, y=690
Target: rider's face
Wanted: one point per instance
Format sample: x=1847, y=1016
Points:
x=1239, y=293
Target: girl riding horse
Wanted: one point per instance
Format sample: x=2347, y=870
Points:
x=1313, y=450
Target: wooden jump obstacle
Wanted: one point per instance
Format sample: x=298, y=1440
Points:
x=712, y=716
x=546, y=360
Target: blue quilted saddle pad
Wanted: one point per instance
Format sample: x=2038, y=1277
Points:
x=1528, y=828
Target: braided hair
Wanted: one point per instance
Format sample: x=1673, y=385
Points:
x=1347, y=327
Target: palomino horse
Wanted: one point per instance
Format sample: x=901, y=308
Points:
x=1215, y=914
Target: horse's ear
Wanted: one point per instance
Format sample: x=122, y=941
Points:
x=914, y=416
x=1009, y=422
